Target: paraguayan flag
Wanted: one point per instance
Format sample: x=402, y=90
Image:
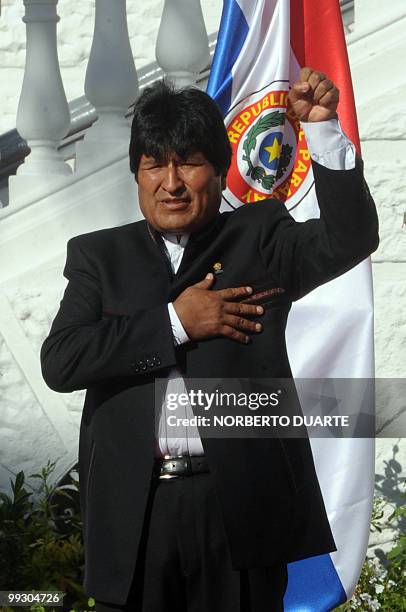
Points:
x=261, y=46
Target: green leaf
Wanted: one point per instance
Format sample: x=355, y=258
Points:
x=18, y=484
x=392, y=554
x=63, y=494
x=5, y=498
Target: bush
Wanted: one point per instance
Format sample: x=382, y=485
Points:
x=42, y=549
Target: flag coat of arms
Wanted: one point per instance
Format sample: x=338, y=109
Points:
x=261, y=47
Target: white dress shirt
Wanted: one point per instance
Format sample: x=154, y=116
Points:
x=330, y=147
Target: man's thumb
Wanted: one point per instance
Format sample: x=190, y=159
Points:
x=206, y=283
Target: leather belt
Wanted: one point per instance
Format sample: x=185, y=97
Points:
x=178, y=467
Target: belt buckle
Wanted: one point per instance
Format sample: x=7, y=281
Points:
x=166, y=464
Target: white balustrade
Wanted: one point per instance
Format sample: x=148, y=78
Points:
x=111, y=85
x=182, y=48
x=43, y=114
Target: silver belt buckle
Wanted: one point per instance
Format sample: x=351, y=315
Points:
x=167, y=460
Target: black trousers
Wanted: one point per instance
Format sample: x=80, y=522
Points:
x=184, y=565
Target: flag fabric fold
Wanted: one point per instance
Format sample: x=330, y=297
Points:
x=261, y=47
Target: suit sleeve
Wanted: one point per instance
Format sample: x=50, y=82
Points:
x=85, y=347
x=304, y=255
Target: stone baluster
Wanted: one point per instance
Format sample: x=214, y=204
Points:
x=43, y=115
x=182, y=48
x=111, y=85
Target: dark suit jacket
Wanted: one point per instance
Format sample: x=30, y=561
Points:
x=112, y=336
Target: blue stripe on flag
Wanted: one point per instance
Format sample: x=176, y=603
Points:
x=232, y=34
x=313, y=586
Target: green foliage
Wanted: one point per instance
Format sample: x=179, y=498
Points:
x=43, y=549
x=382, y=584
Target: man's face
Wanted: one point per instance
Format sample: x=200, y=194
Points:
x=176, y=195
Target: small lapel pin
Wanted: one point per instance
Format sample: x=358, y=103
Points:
x=217, y=268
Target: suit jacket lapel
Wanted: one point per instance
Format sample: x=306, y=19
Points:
x=161, y=249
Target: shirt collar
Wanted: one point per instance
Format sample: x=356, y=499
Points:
x=177, y=239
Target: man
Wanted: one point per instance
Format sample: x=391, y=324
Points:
x=176, y=296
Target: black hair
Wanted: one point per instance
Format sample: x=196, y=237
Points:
x=184, y=121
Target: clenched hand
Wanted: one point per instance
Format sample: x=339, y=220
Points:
x=314, y=97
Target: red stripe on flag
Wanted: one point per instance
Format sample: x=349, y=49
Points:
x=318, y=41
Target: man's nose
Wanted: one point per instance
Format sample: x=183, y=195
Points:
x=172, y=182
